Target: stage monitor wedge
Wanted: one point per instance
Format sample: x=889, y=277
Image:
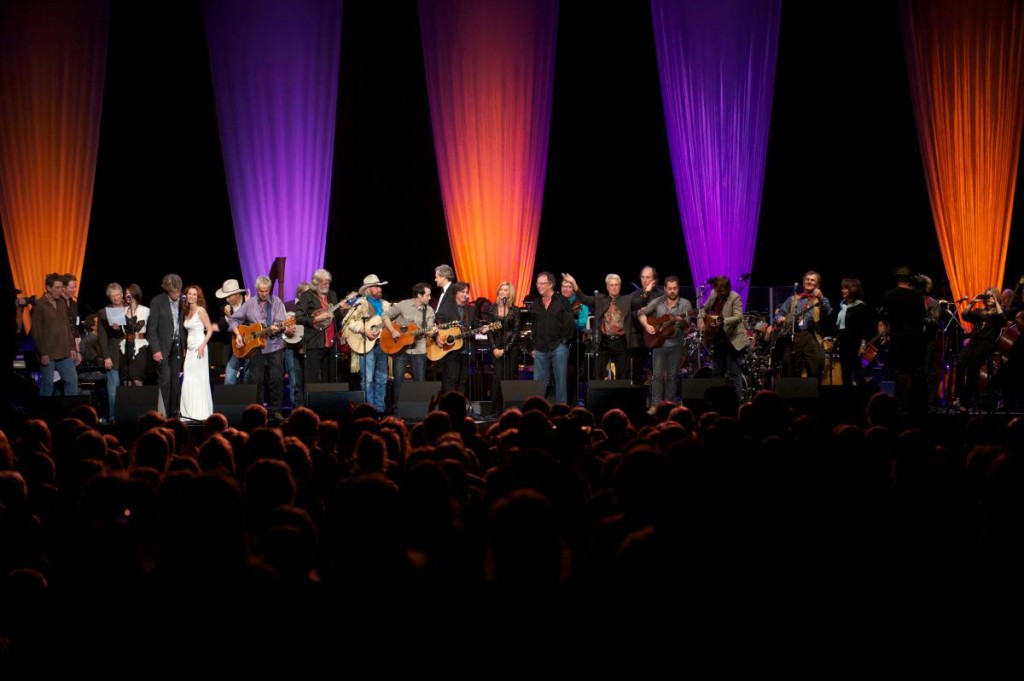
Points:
x=415, y=399
x=333, y=400
x=603, y=396
x=231, y=400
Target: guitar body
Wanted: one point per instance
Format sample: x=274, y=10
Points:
x=444, y=342
x=359, y=343
x=392, y=346
x=713, y=327
x=665, y=327
x=451, y=338
x=254, y=337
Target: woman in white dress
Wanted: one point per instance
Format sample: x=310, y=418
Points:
x=196, y=399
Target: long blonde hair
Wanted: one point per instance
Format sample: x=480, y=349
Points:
x=511, y=293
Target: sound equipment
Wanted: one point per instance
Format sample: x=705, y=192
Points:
x=797, y=388
x=333, y=400
x=231, y=400
x=415, y=398
x=603, y=396
x=708, y=394
x=133, y=401
x=514, y=393
x=56, y=407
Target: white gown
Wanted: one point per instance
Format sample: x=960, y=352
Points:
x=196, y=399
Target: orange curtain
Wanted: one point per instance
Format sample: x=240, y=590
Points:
x=52, y=58
x=966, y=65
x=489, y=69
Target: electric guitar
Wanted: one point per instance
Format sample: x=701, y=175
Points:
x=410, y=334
x=254, y=337
x=451, y=338
x=359, y=343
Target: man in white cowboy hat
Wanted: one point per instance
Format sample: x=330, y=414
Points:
x=234, y=295
x=362, y=329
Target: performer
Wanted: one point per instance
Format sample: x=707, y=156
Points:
x=363, y=327
x=135, y=350
x=455, y=364
x=854, y=331
x=552, y=332
x=196, y=398
x=673, y=311
x=648, y=291
x=799, y=321
x=165, y=335
x=294, y=352
x=614, y=326
x=905, y=317
x=582, y=340
x=110, y=338
x=444, y=276
x=723, y=327
x=69, y=293
x=988, y=321
x=319, y=312
x=406, y=313
x=233, y=296
x=266, y=366
x=55, y=343
x=504, y=340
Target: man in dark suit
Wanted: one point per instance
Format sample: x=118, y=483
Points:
x=446, y=306
x=166, y=335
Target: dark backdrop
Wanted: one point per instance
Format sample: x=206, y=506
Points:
x=844, y=190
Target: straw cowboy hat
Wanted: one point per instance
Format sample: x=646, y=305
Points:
x=229, y=288
x=369, y=281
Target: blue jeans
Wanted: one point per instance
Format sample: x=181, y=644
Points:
x=293, y=367
x=556, y=360
x=665, y=369
x=113, y=380
x=234, y=370
x=373, y=367
x=419, y=370
x=66, y=368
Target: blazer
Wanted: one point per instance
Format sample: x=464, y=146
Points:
x=160, y=331
x=732, y=319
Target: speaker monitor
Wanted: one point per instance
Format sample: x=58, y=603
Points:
x=56, y=407
x=133, y=401
x=603, y=396
x=797, y=388
x=415, y=399
x=332, y=400
x=514, y=393
x=696, y=389
x=231, y=400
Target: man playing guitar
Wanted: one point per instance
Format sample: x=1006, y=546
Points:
x=409, y=322
x=666, y=318
x=722, y=323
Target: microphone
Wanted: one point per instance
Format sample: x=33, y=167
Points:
x=745, y=277
x=964, y=299
x=796, y=285
x=504, y=300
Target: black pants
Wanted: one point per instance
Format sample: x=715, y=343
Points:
x=167, y=373
x=267, y=372
x=320, y=366
x=613, y=349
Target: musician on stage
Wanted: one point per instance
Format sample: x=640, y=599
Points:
x=671, y=313
x=613, y=321
x=233, y=296
x=723, y=327
x=266, y=365
x=988, y=320
x=648, y=291
x=854, y=329
x=404, y=314
x=504, y=339
x=455, y=364
x=318, y=312
x=799, y=322
x=363, y=326
x=905, y=318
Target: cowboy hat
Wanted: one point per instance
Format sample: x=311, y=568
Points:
x=369, y=281
x=229, y=288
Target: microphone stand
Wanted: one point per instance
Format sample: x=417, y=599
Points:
x=949, y=355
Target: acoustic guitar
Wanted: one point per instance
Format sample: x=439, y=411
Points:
x=451, y=338
x=359, y=343
x=665, y=327
x=410, y=334
x=254, y=337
